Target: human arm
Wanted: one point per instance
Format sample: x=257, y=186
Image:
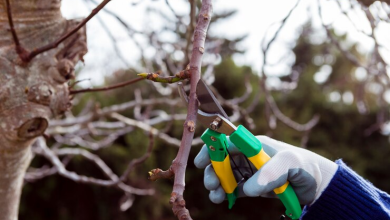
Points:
x=349, y=196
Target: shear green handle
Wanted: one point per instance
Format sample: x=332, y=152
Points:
x=251, y=147
x=217, y=147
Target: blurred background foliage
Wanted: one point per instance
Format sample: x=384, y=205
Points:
x=340, y=133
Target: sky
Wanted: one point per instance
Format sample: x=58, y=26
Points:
x=254, y=18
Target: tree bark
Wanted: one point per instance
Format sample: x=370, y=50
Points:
x=180, y=162
x=31, y=92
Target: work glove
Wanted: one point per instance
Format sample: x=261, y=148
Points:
x=309, y=173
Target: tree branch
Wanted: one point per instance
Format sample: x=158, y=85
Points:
x=156, y=174
x=140, y=160
x=155, y=77
x=19, y=50
x=28, y=56
x=180, y=162
x=52, y=156
x=270, y=100
x=146, y=127
x=72, y=92
x=110, y=109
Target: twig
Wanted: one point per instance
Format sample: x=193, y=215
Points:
x=110, y=109
x=137, y=108
x=346, y=53
x=246, y=95
x=77, y=139
x=140, y=160
x=120, y=20
x=107, y=87
x=156, y=174
x=19, y=49
x=190, y=29
x=155, y=77
x=238, y=112
x=28, y=56
x=270, y=100
x=283, y=22
x=114, y=41
x=53, y=158
x=35, y=174
x=146, y=127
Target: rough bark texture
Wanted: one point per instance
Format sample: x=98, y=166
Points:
x=31, y=92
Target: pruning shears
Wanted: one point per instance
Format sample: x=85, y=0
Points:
x=212, y=115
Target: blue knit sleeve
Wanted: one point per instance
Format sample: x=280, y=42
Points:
x=349, y=196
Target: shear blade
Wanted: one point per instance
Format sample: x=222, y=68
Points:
x=209, y=109
x=208, y=102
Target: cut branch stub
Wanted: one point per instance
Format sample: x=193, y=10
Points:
x=33, y=128
x=156, y=174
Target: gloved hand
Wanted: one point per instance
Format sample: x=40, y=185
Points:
x=309, y=173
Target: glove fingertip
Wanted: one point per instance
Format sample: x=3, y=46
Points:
x=211, y=181
x=217, y=196
x=252, y=189
x=202, y=159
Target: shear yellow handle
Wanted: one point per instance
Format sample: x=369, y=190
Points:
x=251, y=147
x=217, y=148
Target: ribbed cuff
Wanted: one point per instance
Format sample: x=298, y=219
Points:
x=349, y=196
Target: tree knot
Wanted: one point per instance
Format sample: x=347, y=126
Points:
x=32, y=128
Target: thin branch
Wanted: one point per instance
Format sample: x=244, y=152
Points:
x=190, y=29
x=53, y=158
x=238, y=112
x=254, y=103
x=19, y=50
x=139, y=124
x=35, y=174
x=283, y=22
x=110, y=109
x=119, y=85
x=346, y=53
x=270, y=100
x=156, y=77
x=29, y=56
x=120, y=20
x=286, y=120
x=179, y=17
x=77, y=139
x=114, y=41
x=146, y=127
x=246, y=95
x=140, y=160
x=137, y=109
x=156, y=174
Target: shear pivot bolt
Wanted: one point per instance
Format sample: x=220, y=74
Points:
x=212, y=148
x=216, y=124
x=213, y=138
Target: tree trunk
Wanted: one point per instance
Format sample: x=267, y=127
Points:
x=31, y=92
